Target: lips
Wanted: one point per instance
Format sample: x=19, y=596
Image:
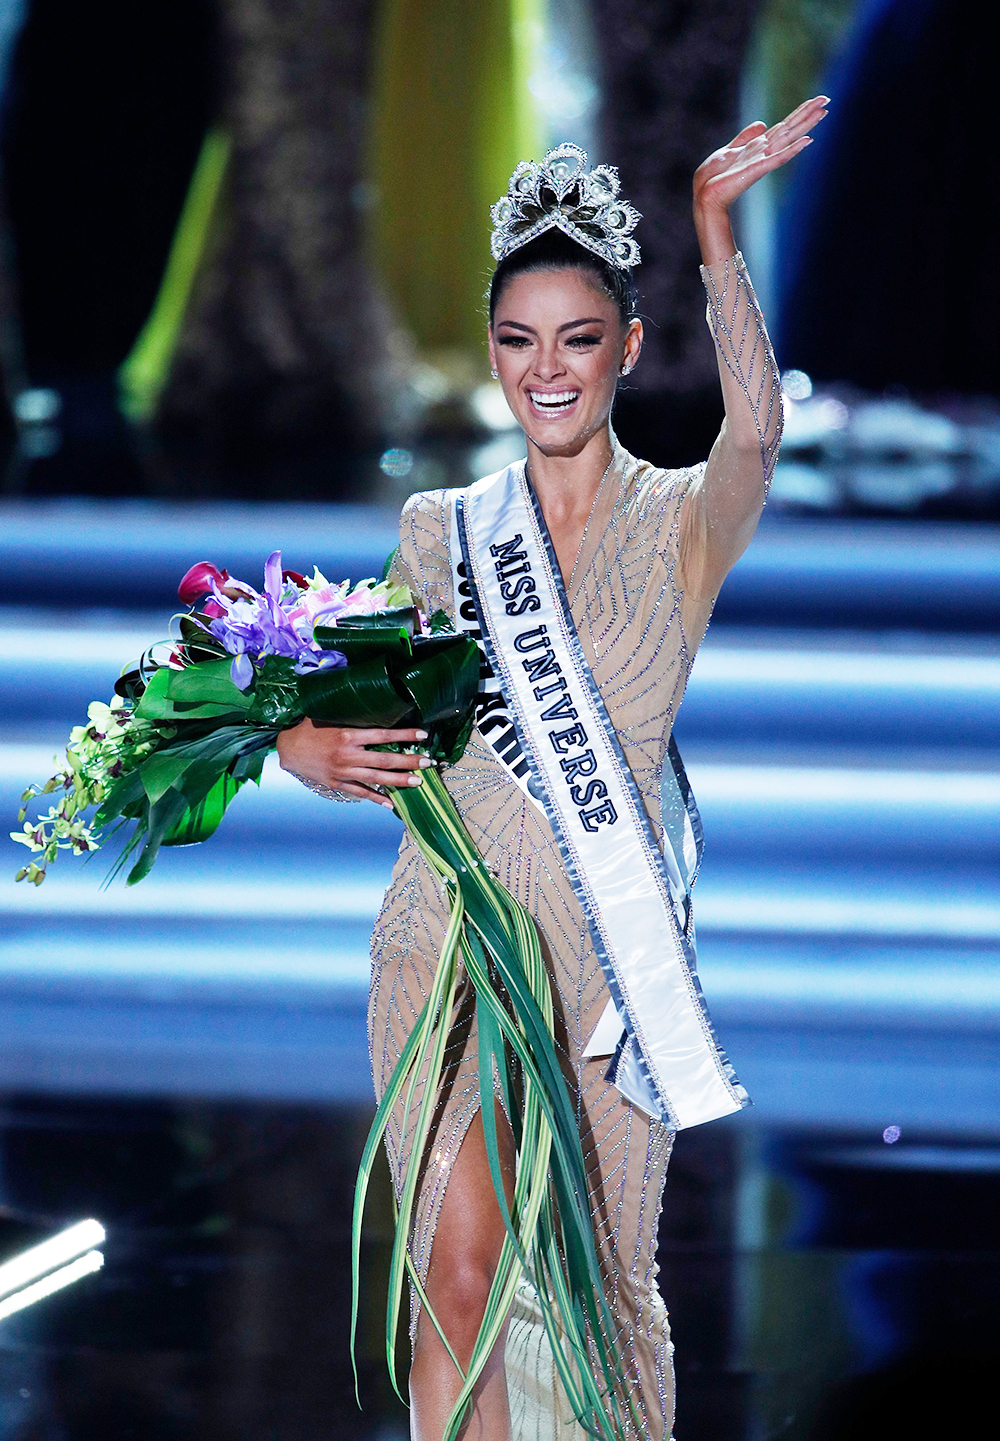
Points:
x=553, y=402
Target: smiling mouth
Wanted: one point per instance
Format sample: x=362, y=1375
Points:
x=553, y=402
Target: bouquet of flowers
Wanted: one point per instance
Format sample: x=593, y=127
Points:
x=190, y=723
x=193, y=719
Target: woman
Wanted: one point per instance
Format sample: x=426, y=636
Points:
x=641, y=554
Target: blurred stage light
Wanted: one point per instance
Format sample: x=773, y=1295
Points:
x=53, y=1262
x=796, y=385
x=491, y=408
x=563, y=96
x=37, y=405
x=430, y=384
x=891, y=1135
x=396, y=463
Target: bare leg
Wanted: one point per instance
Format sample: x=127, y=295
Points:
x=464, y=1258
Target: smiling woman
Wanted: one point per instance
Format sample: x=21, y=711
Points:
x=587, y=577
x=553, y=368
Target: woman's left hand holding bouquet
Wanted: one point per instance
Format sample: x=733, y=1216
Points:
x=337, y=756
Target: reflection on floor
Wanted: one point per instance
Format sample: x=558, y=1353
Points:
x=187, y=1060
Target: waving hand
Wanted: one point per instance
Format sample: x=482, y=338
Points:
x=730, y=171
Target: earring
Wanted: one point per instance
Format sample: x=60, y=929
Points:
x=626, y=370
x=495, y=373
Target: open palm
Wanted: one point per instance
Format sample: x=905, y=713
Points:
x=755, y=151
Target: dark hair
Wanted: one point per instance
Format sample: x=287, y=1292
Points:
x=556, y=251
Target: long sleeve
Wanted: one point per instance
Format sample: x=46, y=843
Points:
x=722, y=510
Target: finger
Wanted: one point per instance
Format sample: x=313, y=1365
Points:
x=393, y=779
x=384, y=737
x=390, y=760
x=728, y=158
x=756, y=127
x=777, y=158
x=815, y=102
x=373, y=736
x=801, y=114
x=364, y=793
x=726, y=190
x=786, y=134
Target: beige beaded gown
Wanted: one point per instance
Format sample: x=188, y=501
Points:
x=655, y=550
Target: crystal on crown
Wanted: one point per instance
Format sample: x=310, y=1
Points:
x=559, y=193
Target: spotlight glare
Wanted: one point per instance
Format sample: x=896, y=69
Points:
x=50, y=1254
x=65, y=1276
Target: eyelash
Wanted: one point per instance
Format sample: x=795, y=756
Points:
x=518, y=342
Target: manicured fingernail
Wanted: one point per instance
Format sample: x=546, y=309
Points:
x=425, y=761
x=421, y=735
x=416, y=780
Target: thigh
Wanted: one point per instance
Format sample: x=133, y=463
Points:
x=470, y=1228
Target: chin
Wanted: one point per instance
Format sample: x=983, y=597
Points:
x=565, y=436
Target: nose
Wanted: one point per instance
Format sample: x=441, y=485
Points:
x=548, y=364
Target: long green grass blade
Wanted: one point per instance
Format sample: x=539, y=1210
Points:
x=489, y=928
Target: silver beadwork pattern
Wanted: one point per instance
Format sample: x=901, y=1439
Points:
x=560, y=193
x=327, y=792
x=741, y=340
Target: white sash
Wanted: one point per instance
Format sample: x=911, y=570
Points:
x=634, y=896
x=493, y=718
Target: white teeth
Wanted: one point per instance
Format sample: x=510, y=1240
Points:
x=554, y=400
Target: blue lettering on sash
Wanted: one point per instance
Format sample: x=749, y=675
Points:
x=518, y=594
x=541, y=664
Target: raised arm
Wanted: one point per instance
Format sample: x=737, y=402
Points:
x=721, y=512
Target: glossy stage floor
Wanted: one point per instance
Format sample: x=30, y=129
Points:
x=187, y=1062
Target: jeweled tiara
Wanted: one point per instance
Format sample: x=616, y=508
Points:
x=559, y=193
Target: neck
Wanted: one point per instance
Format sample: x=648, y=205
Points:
x=567, y=484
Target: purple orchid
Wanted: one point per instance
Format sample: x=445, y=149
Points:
x=253, y=625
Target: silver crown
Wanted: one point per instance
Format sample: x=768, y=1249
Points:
x=559, y=193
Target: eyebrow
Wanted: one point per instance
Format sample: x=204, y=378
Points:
x=570, y=324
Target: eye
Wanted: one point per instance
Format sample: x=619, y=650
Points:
x=582, y=342
x=516, y=341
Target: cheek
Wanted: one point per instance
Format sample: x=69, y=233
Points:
x=600, y=370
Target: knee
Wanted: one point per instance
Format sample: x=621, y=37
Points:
x=459, y=1291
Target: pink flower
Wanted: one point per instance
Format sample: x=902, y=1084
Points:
x=363, y=602
x=198, y=581
x=327, y=601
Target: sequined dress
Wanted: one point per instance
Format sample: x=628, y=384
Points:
x=655, y=551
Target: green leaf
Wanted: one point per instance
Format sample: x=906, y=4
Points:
x=559, y=1256
x=131, y=683
x=199, y=821
x=390, y=561
x=210, y=681
x=207, y=693
x=443, y=678
x=405, y=615
x=199, y=643
x=360, y=643
x=124, y=793
x=356, y=695
x=440, y=623
x=163, y=816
